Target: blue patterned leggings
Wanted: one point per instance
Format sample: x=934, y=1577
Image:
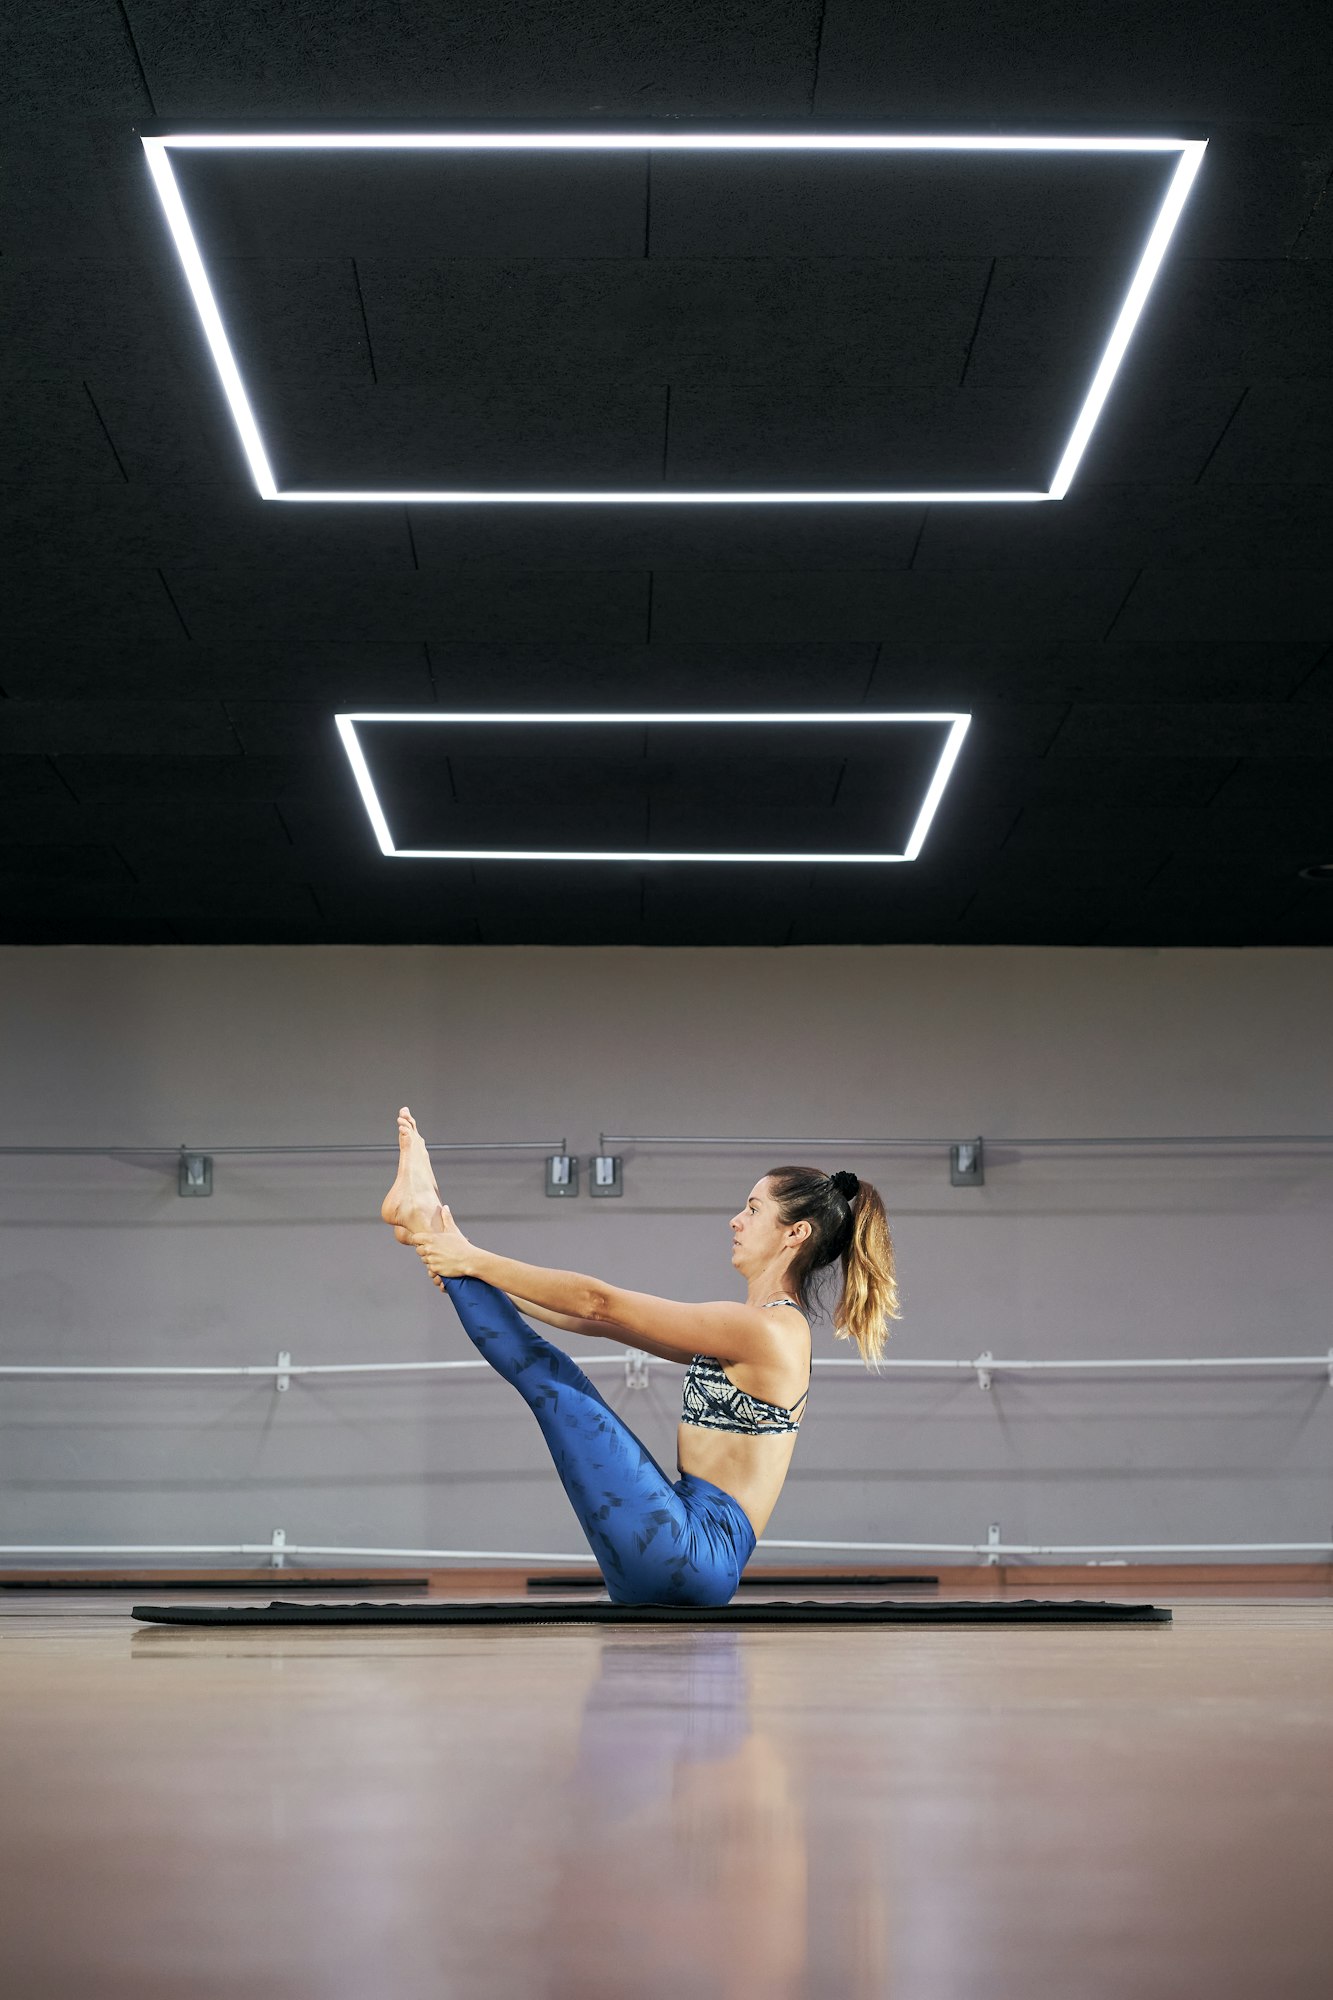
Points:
x=655, y=1541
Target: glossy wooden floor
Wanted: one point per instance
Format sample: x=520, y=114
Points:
x=361, y=1814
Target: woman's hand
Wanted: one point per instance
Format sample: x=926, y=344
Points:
x=443, y=1251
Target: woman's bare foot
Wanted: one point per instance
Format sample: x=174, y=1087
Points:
x=413, y=1202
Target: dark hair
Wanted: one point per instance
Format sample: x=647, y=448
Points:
x=853, y=1228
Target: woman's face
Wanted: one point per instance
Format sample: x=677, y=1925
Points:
x=758, y=1237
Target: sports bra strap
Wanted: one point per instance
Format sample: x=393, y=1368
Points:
x=806, y=1391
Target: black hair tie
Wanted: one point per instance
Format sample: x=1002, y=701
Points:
x=848, y=1185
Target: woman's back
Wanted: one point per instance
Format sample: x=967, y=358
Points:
x=744, y=1444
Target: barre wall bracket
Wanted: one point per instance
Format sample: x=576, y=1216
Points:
x=194, y=1175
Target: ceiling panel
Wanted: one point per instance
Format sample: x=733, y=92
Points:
x=1055, y=671
x=824, y=434
x=648, y=537
x=1148, y=663
x=56, y=604
x=1281, y=433
x=1240, y=318
x=654, y=320
x=80, y=55
x=1140, y=61
x=696, y=678
x=1232, y=603
x=1185, y=527
x=344, y=674
x=513, y=57
x=132, y=728
x=134, y=525
x=410, y=206
x=524, y=434
x=1195, y=729
x=867, y=604
x=1160, y=424
x=323, y=600
x=24, y=866
x=885, y=204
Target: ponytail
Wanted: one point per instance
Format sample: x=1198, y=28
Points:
x=851, y=1228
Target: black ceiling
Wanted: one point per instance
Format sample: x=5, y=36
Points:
x=1147, y=662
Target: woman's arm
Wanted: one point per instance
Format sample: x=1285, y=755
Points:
x=729, y=1332
x=566, y=1322
x=593, y=1330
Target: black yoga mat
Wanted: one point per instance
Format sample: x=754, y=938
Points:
x=1027, y=1611
x=821, y=1579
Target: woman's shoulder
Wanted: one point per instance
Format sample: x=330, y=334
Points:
x=778, y=1315
x=790, y=1305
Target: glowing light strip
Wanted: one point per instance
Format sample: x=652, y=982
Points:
x=1191, y=155
x=210, y=318
x=653, y=499
x=346, y=724
x=659, y=142
x=1191, y=158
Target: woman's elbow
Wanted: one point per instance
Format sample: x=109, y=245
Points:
x=597, y=1303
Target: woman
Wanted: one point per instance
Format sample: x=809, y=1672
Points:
x=655, y=1541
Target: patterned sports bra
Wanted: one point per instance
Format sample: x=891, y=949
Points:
x=714, y=1403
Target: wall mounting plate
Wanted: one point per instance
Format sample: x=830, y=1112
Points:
x=195, y=1174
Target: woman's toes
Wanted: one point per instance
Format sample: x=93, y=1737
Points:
x=402, y=1191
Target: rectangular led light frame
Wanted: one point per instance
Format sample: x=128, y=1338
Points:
x=158, y=151
x=361, y=770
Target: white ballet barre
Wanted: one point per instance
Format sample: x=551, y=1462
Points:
x=987, y=1365
x=636, y=1365
x=284, y=1368
x=278, y=1548
x=994, y=1548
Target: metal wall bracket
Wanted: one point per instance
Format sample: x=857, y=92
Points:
x=982, y=1366
x=284, y=1380
x=993, y=1544
x=967, y=1164
x=194, y=1174
x=277, y=1559
x=636, y=1369
x=605, y=1177
x=562, y=1173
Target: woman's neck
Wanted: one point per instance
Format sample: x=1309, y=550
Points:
x=762, y=1290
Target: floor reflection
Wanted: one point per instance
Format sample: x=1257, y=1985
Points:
x=686, y=1855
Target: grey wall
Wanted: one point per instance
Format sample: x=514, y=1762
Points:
x=1055, y=1256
